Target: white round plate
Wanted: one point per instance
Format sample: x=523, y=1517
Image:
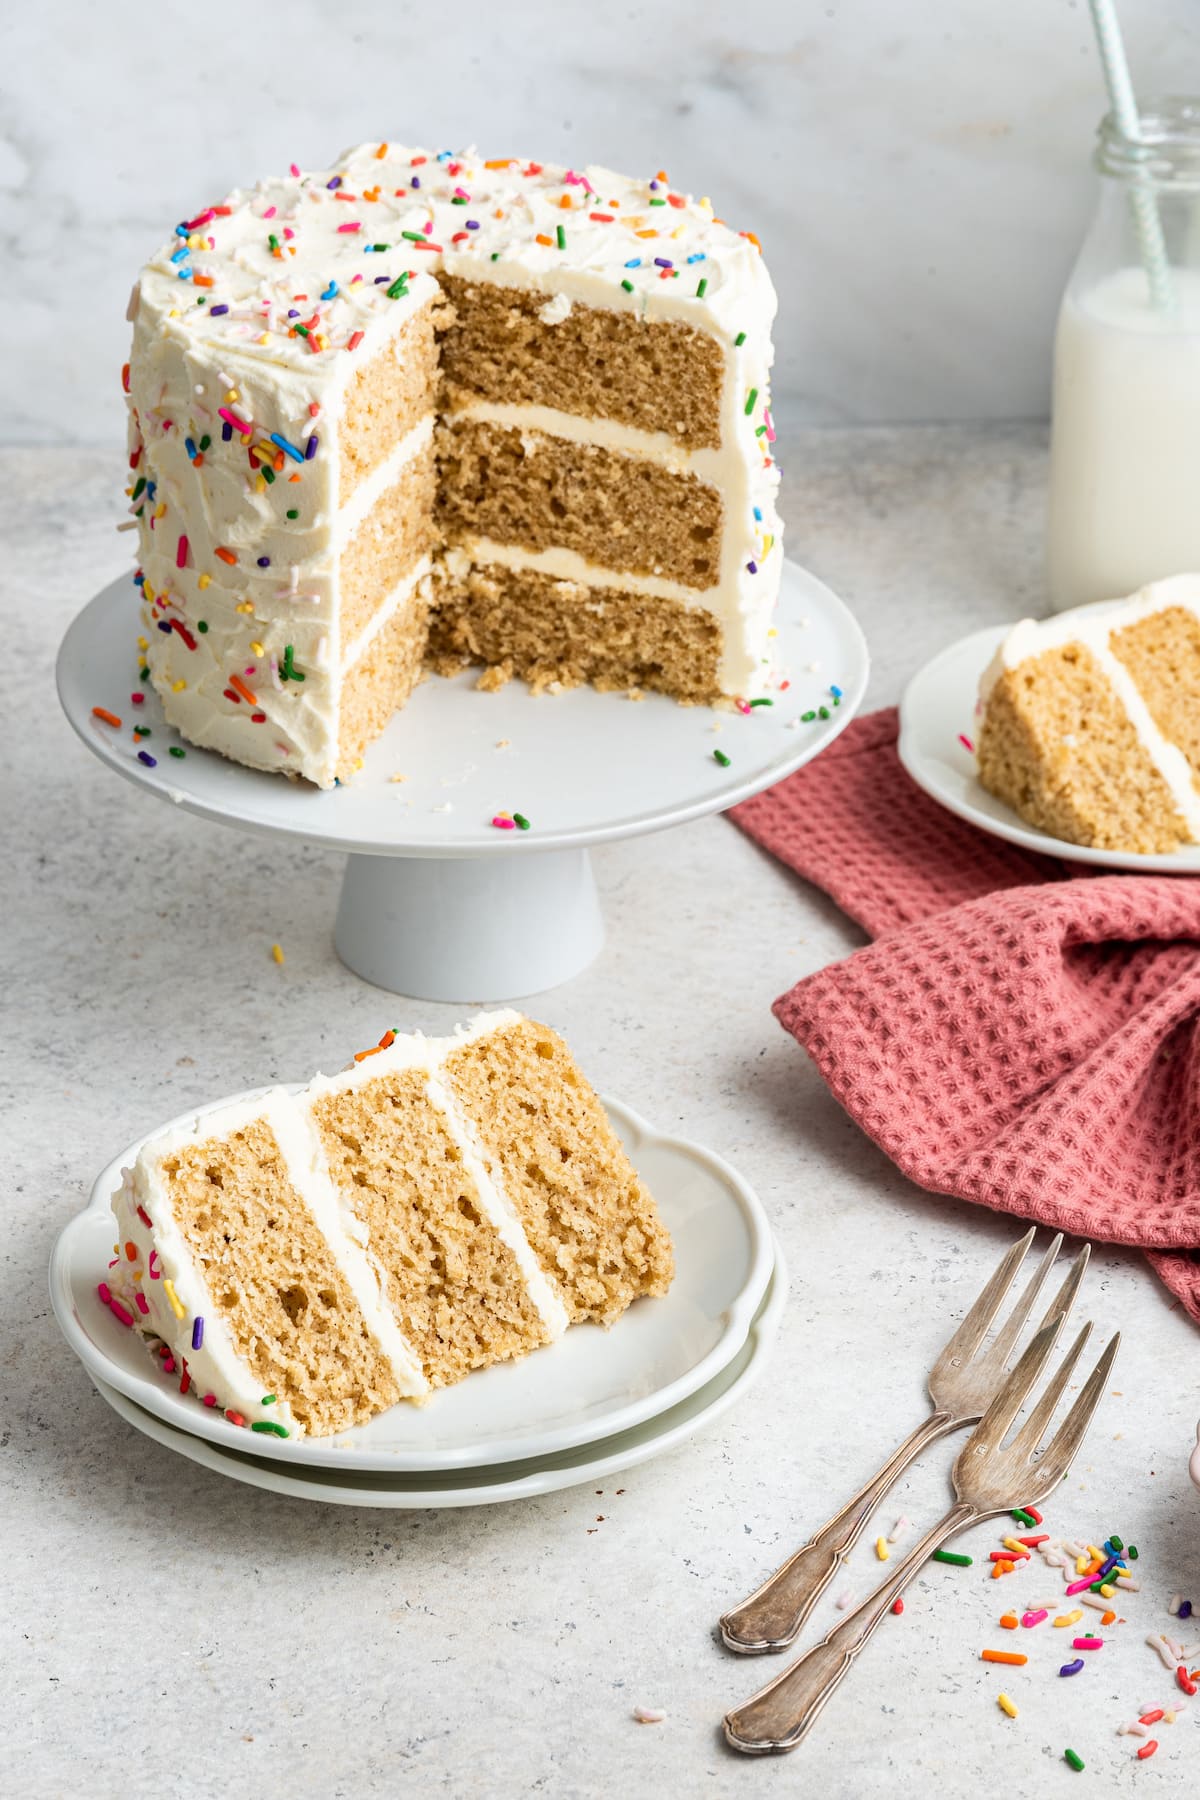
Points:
x=938, y=705
x=583, y=767
x=488, y=1486
x=591, y=1384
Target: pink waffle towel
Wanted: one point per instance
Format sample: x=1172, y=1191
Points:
x=1020, y=1033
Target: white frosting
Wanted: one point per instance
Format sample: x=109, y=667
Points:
x=1093, y=628
x=216, y=317
x=384, y=475
x=398, y=597
x=217, y=1366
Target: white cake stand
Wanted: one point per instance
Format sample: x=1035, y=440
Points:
x=438, y=903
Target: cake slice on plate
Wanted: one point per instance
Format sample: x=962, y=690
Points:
x=1091, y=721
x=307, y=1260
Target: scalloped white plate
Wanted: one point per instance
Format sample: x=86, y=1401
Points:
x=938, y=704
x=591, y=1384
x=488, y=1486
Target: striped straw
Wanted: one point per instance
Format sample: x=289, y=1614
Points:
x=1146, y=221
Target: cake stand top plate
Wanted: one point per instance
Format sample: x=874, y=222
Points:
x=583, y=767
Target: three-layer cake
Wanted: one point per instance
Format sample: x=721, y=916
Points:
x=421, y=409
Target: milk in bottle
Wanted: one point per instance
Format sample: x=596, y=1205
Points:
x=1125, y=443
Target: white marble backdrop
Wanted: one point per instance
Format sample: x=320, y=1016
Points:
x=918, y=173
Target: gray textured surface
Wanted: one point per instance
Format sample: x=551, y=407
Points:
x=918, y=174
x=167, y=1633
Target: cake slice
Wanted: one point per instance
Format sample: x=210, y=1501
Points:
x=304, y=1261
x=1091, y=721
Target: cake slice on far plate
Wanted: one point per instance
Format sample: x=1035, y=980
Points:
x=306, y=1260
x=1091, y=721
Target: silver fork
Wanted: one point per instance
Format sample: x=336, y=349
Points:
x=962, y=1384
x=990, y=1478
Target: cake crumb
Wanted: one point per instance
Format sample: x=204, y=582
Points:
x=494, y=677
x=649, y=1715
x=503, y=743
x=277, y=952
x=397, y=777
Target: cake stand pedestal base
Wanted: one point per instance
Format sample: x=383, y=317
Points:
x=469, y=928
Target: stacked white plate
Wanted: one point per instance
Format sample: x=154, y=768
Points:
x=595, y=1402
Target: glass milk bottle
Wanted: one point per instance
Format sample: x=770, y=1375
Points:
x=1125, y=443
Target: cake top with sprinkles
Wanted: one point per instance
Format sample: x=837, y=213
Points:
x=301, y=266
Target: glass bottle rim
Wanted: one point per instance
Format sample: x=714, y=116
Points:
x=1168, y=154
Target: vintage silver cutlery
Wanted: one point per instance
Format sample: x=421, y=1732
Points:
x=990, y=1478
x=963, y=1382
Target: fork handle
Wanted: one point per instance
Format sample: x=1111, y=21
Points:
x=781, y=1714
x=771, y=1618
